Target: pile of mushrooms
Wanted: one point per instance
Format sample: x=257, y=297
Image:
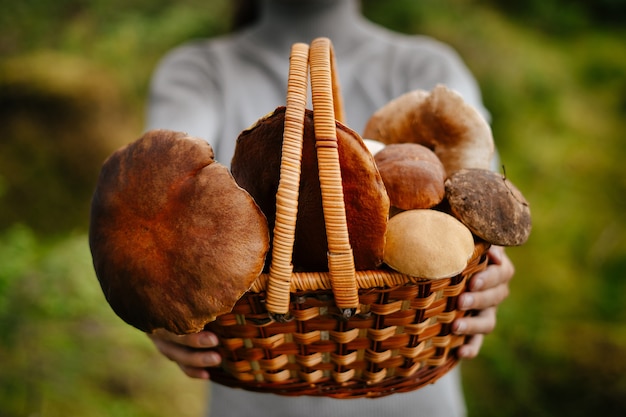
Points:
x=176, y=238
x=434, y=153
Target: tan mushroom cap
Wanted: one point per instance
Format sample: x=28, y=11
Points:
x=175, y=241
x=256, y=167
x=491, y=206
x=440, y=120
x=413, y=175
x=427, y=244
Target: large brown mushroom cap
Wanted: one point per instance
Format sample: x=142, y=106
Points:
x=440, y=120
x=174, y=240
x=256, y=167
x=490, y=206
x=413, y=175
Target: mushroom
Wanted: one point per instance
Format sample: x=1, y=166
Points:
x=174, y=240
x=256, y=167
x=490, y=206
x=428, y=244
x=440, y=120
x=413, y=175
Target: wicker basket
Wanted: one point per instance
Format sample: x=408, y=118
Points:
x=341, y=333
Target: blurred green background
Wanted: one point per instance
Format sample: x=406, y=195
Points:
x=73, y=82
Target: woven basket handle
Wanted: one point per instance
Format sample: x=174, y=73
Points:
x=327, y=108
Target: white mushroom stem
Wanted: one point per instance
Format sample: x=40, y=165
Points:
x=373, y=146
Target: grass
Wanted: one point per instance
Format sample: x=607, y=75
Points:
x=63, y=351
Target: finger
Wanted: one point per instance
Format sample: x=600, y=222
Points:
x=483, y=323
x=470, y=349
x=496, y=254
x=480, y=300
x=499, y=271
x=186, y=356
x=193, y=372
x=202, y=339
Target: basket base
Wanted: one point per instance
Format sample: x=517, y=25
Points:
x=346, y=390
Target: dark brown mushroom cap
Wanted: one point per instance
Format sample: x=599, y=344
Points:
x=413, y=175
x=174, y=240
x=490, y=206
x=256, y=167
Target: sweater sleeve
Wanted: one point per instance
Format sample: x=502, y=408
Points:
x=185, y=95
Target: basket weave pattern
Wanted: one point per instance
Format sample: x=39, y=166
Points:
x=400, y=338
x=400, y=341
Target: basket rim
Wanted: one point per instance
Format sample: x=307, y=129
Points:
x=383, y=277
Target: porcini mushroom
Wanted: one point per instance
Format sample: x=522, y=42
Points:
x=440, y=120
x=413, y=175
x=174, y=240
x=490, y=205
x=427, y=244
x=256, y=167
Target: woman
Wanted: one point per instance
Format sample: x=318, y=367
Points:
x=215, y=88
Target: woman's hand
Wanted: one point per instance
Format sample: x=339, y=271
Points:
x=488, y=288
x=193, y=352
